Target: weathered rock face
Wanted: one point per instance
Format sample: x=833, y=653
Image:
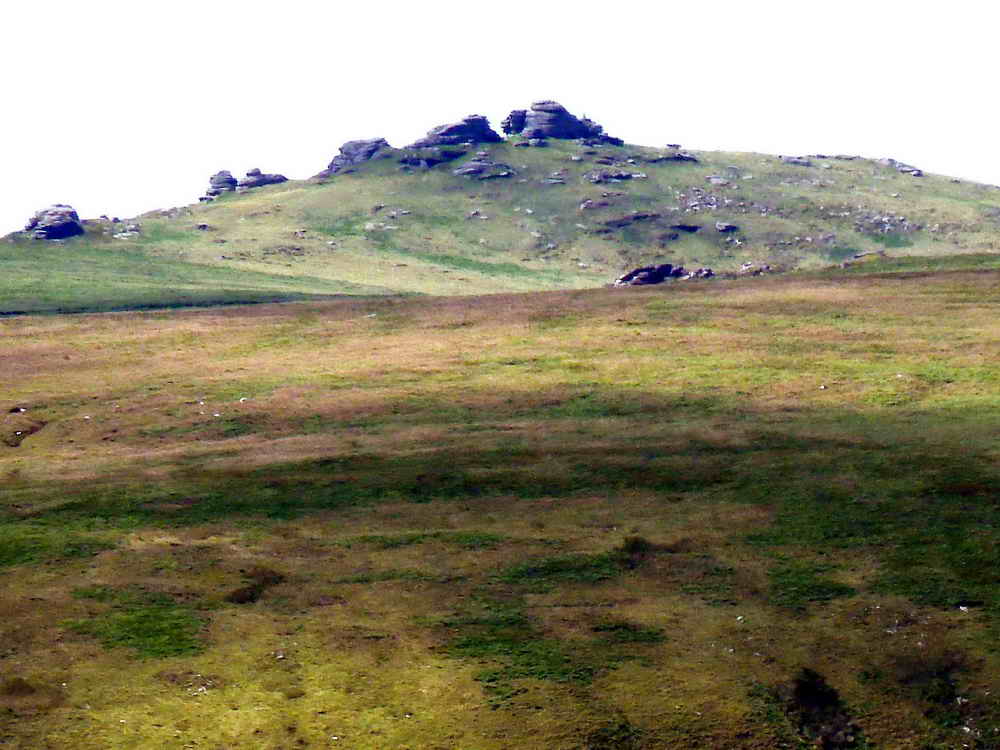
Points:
x=548, y=119
x=513, y=124
x=473, y=129
x=256, y=178
x=221, y=182
x=353, y=153
x=57, y=222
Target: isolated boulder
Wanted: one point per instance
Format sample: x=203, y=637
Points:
x=725, y=227
x=549, y=119
x=353, y=153
x=57, y=222
x=221, y=182
x=797, y=161
x=255, y=178
x=472, y=129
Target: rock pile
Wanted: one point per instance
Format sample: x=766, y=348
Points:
x=472, y=129
x=57, y=222
x=482, y=167
x=658, y=274
x=900, y=167
x=255, y=178
x=353, y=153
x=221, y=182
x=548, y=119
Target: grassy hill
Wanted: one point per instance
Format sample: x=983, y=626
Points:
x=751, y=513
x=436, y=233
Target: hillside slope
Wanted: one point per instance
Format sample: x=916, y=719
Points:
x=568, y=215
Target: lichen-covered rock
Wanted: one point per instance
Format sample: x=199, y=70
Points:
x=472, y=129
x=549, y=119
x=57, y=222
x=221, y=182
x=353, y=153
x=255, y=178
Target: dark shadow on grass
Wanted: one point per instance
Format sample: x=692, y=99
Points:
x=923, y=501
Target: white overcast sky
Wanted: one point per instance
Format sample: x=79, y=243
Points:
x=123, y=107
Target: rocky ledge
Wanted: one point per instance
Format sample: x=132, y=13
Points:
x=353, y=153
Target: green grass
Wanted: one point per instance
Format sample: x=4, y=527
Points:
x=27, y=542
x=152, y=625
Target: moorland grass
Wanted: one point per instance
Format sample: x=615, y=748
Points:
x=627, y=516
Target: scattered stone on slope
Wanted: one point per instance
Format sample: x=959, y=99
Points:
x=798, y=161
x=429, y=157
x=57, y=222
x=255, y=178
x=221, y=182
x=131, y=231
x=717, y=180
x=472, y=129
x=672, y=154
x=751, y=268
x=900, y=167
x=549, y=119
x=600, y=178
x=353, y=153
x=725, y=227
x=482, y=167
x=658, y=274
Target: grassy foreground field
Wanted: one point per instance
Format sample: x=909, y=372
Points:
x=756, y=514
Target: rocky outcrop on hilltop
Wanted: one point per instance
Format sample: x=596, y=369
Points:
x=472, y=129
x=255, y=178
x=548, y=119
x=57, y=222
x=221, y=182
x=353, y=153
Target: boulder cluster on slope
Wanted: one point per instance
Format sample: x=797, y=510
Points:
x=224, y=182
x=658, y=274
x=221, y=182
x=353, y=153
x=482, y=167
x=57, y=222
x=255, y=178
x=549, y=119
